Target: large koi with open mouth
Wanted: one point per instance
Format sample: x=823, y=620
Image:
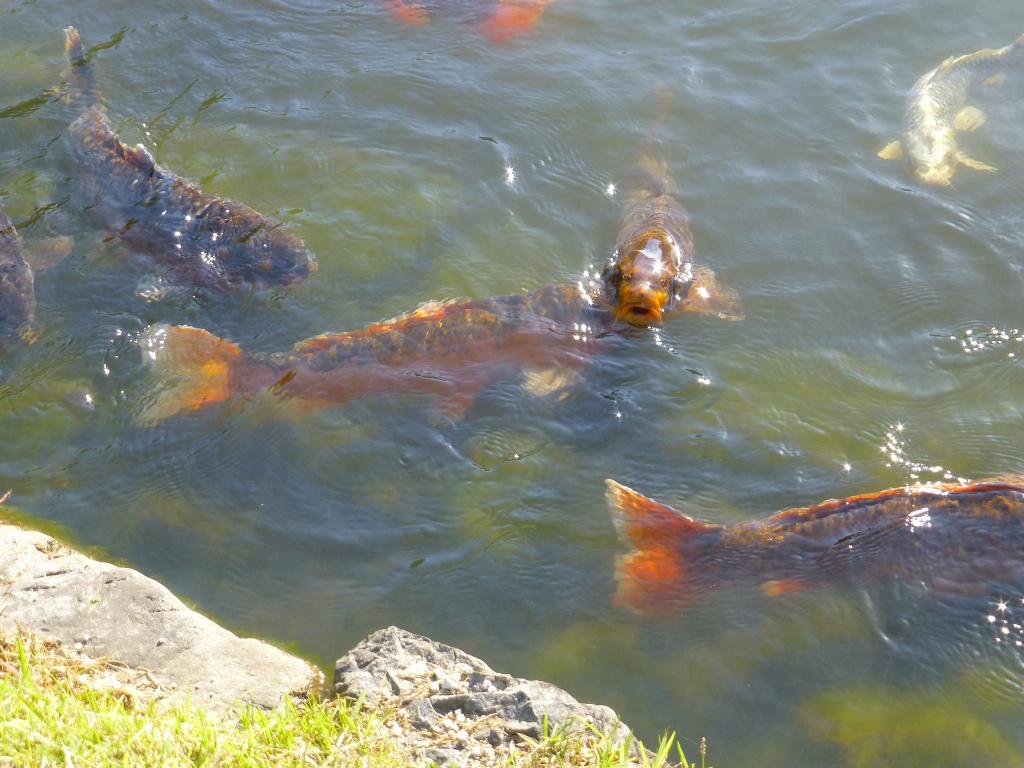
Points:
x=203, y=240
x=652, y=272
x=948, y=537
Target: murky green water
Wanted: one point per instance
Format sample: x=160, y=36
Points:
x=873, y=349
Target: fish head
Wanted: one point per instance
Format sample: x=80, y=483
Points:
x=263, y=256
x=934, y=157
x=642, y=282
x=936, y=176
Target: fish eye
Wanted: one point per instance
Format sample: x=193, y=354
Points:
x=627, y=276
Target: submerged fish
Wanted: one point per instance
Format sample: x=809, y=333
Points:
x=452, y=349
x=448, y=349
x=17, y=293
x=951, y=538
x=203, y=240
x=935, y=110
x=500, y=20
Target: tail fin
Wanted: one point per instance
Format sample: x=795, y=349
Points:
x=81, y=72
x=654, y=575
x=194, y=368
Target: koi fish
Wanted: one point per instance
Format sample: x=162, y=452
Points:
x=935, y=111
x=203, y=240
x=952, y=538
x=449, y=349
x=505, y=19
x=17, y=293
x=452, y=349
x=652, y=270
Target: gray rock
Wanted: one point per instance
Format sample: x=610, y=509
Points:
x=394, y=668
x=104, y=610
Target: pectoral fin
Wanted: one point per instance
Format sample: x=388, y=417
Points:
x=43, y=254
x=776, y=587
x=995, y=79
x=977, y=165
x=969, y=119
x=705, y=294
x=891, y=151
x=545, y=381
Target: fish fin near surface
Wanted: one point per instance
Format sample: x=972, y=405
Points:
x=452, y=407
x=969, y=119
x=512, y=18
x=777, y=587
x=49, y=252
x=81, y=72
x=194, y=367
x=413, y=14
x=891, y=151
x=541, y=382
x=995, y=79
x=647, y=523
x=653, y=576
x=707, y=295
x=977, y=165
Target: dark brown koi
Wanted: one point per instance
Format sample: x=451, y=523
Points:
x=204, y=240
x=17, y=292
x=948, y=537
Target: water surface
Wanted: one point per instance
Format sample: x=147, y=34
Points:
x=882, y=344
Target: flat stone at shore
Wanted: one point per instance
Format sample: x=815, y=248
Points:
x=105, y=610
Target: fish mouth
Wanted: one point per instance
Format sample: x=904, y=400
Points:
x=639, y=314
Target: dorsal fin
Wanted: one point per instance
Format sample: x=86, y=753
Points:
x=430, y=311
x=647, y=523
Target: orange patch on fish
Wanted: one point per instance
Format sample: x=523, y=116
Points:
x=649, y=580
x=776, y=587
x=411, y=13
x=512, y=19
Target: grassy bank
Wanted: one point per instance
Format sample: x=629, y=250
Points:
x=62, y=709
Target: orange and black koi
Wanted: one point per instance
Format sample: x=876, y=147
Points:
x=947, y=537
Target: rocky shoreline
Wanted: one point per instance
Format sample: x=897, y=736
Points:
x=449, y=708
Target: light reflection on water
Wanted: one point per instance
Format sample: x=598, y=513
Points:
x=426, y=163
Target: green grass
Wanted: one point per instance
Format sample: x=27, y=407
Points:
x=570, y=745
x=61, y=709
